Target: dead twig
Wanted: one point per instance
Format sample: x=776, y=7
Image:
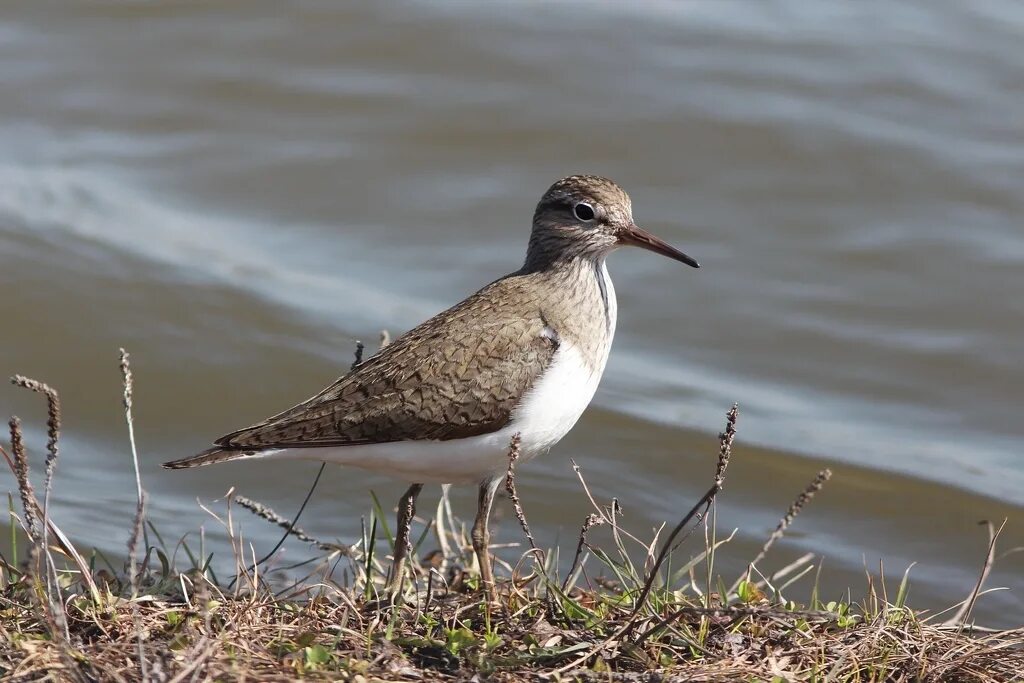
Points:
x=724, y=454
x=267, y=513
x=316, y=480
x=53, y=606
x=52, y=448
x=128, y=387
x=138, y=521
x=62, y=540
x=725, y=440
x=513, y=495
x=53, y=434
x=964, y=613
x=25, y=488
x=589, y=523
x=787, y=520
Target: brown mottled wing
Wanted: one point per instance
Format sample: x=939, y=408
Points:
x=452, y=377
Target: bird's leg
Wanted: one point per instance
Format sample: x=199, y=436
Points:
x=403, y=545
x=482, y=537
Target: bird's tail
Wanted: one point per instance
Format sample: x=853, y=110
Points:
x=208, y=457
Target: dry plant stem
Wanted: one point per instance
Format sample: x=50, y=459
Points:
x=53, y=432
x=65, y=543
x=128, y=384
x=724, y=453
x=53, y=442
x=627, y=627
x=725, y=440
x=52, y=607
x=403, y=544
x=703, y=503
x=133, y=577
x=589, y=523
x=787, y=520
x=316, y=480
x=267, y=513
x=725, y=448
x=28, y=494
x=782, y=573
x=794, y=509
x=295, y=519
x=513, y=494
x=140, y=507
x=964, y=613
x=608, y=515
x=133, y=540
x=52, y=447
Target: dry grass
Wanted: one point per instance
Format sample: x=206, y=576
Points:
x=634, y=611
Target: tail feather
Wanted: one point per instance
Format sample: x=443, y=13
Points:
x=208, y=457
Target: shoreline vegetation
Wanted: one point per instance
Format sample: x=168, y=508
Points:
x=628, y=610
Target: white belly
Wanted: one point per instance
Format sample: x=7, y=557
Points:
x=546, y=414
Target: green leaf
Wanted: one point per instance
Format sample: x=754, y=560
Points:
x=317, y=655
x=901, y=596
x=165, y=564
x=459, y=639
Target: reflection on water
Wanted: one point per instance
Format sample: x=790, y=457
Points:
x=236, y=196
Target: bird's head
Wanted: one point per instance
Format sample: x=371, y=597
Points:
x=589, y=216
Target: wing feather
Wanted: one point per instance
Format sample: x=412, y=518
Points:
x=449, y=378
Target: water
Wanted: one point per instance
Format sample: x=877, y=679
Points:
x=236, y=195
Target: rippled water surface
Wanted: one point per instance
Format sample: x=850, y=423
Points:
x=236, y=193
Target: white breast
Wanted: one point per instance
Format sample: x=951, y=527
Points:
x=554, y=404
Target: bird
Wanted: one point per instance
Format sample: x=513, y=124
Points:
x=521, y=357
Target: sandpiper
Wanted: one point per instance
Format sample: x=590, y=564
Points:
x=440, y=404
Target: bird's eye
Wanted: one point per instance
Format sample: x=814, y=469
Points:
x=584, y=211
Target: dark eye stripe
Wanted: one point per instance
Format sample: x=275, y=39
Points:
x=584, y=212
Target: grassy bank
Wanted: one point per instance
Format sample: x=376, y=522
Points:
x=634, y=609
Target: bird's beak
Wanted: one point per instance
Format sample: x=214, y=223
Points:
x=638, y=237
